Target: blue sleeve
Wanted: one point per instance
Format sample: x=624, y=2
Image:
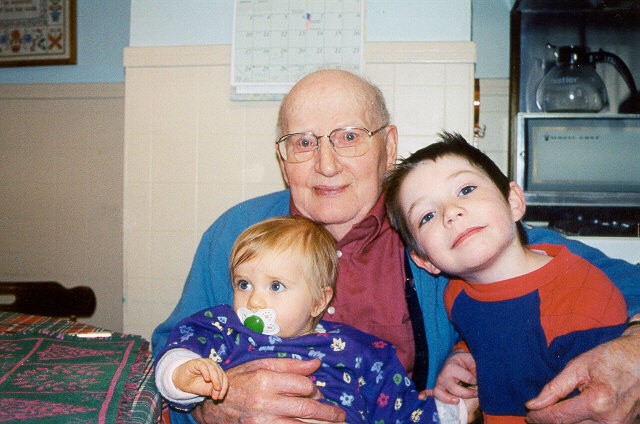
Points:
x=441, y=335
x=623, y=274
x=566, y=347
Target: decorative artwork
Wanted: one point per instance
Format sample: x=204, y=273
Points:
x=37, y=32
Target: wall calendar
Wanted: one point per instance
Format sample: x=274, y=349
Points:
x=276, y=42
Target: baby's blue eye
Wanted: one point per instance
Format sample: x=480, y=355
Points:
x=427, y=218
x=277, y=286
x=466, y=190
x=243, y=285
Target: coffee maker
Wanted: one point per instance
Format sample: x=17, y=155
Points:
x=575, y=113
x=598, y=36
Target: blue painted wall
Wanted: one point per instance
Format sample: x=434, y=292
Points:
x=198, y=22
x=490, y=30
x=104, y=28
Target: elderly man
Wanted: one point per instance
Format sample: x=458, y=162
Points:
x=335, y=145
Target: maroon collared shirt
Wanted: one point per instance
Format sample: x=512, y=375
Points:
x=370, y=288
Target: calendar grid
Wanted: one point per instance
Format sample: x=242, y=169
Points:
x=276, y=42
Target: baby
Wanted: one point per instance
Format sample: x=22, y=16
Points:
x=522, y=311
x=283, y=272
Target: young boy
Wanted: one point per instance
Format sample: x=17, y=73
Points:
x=283, y=272
x=522, y=311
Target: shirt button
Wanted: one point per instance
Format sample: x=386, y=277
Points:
x=339, y=253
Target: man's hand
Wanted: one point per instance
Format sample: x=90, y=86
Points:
x=457, y=379
x=608, y=378
x=269, y=391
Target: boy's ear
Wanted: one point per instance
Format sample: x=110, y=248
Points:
x=516, y=201
x=425, y=264
x=327, y=295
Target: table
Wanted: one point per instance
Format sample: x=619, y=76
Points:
x=52, y=372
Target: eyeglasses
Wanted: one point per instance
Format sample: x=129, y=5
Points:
x=347, y=142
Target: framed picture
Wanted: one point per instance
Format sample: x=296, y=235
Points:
x=37, y=32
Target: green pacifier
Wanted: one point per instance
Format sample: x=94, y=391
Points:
x=254, y=323
x=262, y=321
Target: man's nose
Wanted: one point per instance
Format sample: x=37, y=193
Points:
x=326, y=159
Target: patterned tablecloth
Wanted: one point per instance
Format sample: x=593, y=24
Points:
x=50, y=375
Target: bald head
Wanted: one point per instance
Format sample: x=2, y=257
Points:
x=367, y=95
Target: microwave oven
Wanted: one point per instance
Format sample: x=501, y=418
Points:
x=578, y=159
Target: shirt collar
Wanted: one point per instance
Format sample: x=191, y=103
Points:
x=364, y=231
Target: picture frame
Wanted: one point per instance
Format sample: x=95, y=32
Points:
x=37, y=32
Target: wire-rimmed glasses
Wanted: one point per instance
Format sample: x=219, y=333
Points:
x=346, y=142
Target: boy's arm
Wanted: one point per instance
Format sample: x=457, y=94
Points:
x=606, y=376
x=608, y=380
x=625, y=276
x=597, y=312
x=457, y=378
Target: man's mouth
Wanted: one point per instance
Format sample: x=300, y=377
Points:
x=465, y=235
x=328, y=190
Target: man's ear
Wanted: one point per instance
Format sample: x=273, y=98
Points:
x=321, y=305
x=391, y=145
x=425, y=264
x=281, y=162
x=517, y=202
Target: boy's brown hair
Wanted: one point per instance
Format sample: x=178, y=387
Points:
x=450, y=144
x=315, y=247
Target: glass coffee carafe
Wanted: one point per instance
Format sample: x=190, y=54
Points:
x=573, y=85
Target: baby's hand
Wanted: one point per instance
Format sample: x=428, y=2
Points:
x=202, y=377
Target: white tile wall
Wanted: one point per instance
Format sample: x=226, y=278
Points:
x=191, y=153
x=494, y=114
